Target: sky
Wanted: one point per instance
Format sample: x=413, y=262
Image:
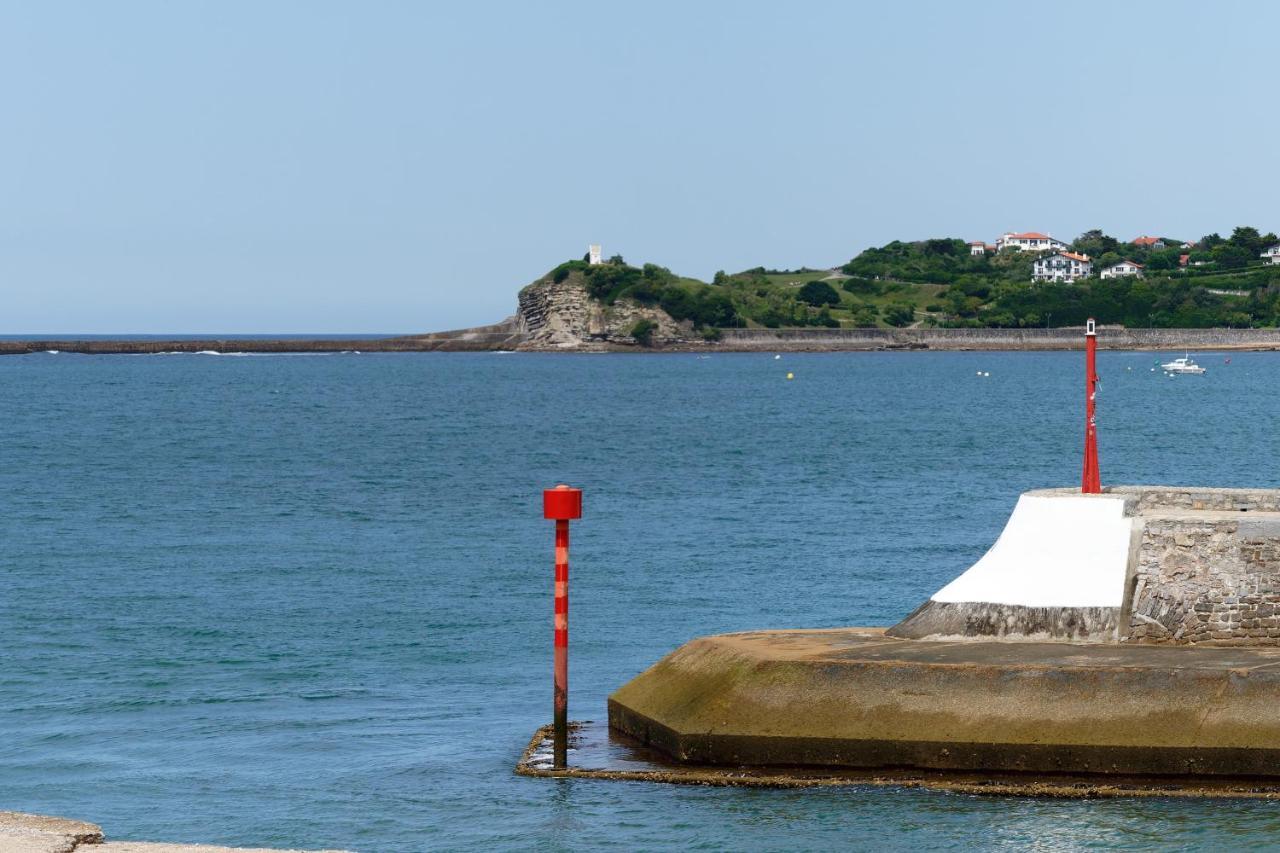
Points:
x=395, y=167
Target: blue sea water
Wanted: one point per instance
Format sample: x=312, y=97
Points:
x=305, y=600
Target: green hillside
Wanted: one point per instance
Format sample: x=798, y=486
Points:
x=936, y=282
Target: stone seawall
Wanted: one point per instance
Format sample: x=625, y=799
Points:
x=996, y=339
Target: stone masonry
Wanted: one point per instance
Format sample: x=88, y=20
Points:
x=1207, y=569
x=1213, y=579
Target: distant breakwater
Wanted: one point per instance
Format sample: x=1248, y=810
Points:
x=1116, y=338
x=507, y=336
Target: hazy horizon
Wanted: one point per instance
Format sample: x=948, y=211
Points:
x=392, y=168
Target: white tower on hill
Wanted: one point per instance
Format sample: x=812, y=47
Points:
x=593, y=254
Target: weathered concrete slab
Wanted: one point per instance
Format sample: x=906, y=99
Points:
x=856, y=698
x=32, y=833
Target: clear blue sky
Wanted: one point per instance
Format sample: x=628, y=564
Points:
x=392, y=167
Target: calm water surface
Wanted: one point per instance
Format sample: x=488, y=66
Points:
x=305, y=601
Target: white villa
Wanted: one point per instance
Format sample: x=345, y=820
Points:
x=1149, y=242
x=1030, y=241
x=1272, y=254
x=977, y=247
x=1062, y=266
x=1122, y=269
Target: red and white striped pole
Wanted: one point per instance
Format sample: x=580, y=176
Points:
x=1090, y=480
x=562, y=504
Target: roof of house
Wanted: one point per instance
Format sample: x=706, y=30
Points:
x=1029, y=235
x=1275, y=248
x=1144, y=240
x=1064, y=254
x=1126, y=261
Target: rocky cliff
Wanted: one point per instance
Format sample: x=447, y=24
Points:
x=562, y=316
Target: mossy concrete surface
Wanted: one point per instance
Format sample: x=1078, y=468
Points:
x=856, y=698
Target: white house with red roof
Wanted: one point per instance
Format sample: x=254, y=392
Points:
x=1272, y=254
x=1029, y=241
x=977, y=247
x=1065, y=267
x=1147, y=242
x=1122, y=269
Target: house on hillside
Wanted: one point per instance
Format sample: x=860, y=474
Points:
x=1029, y=241
x=1148, y=242
x=1065, y=267
x=978, y=248
x=1272, y=254
x=1121, y=269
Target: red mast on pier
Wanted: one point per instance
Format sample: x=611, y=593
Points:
x=1090, y=481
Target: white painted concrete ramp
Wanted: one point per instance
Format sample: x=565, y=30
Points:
x=1055, y=551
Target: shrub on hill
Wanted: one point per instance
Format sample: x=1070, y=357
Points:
x=899, y=314
x=642, y=331
x=818, y=293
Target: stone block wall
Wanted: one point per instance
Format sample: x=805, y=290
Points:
x=1154, y=498
x=1211, y=578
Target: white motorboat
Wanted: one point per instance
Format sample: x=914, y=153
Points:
x=1182, y=365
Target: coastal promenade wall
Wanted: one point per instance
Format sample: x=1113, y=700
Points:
x=996, y=339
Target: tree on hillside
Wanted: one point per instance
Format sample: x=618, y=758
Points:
x=1229, y=256
x=818, y=293
x=899, y=314
x=1247, y=238
x=942, y=246
x=1166, y=259
x=1095, y=243
x=1208, y=241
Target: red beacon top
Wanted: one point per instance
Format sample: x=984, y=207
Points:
x=562, y=503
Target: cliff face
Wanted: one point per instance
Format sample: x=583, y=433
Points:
x=561, y=315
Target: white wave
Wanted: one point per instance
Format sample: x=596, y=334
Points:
x=53, y=351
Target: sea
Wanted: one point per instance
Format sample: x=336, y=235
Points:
x=305, y=600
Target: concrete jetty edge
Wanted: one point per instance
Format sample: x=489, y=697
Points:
x=1050, y=786
x=859, y=699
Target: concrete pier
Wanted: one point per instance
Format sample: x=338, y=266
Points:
x=856, y=698
x=1134, y=632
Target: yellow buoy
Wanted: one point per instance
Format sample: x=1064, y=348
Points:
x=791, y=376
